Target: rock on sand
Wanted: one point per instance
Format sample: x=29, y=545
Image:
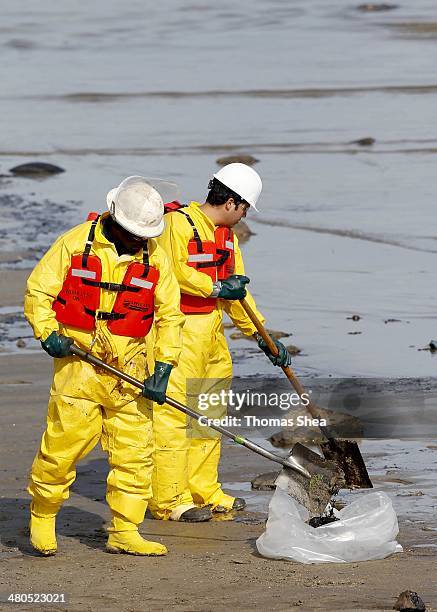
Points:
x=232, y=159
x=36, y=170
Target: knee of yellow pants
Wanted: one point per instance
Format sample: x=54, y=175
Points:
x=169, y=424
x=128, y=439
x=50, y=478
x=73, y=429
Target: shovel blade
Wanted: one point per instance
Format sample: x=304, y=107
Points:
x=315, y=492
x=346, y=454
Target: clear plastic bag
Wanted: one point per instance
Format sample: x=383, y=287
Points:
x=366, y=530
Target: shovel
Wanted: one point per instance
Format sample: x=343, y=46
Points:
x=345, y=453
x=305, y=475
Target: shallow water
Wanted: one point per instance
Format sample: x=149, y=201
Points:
x=165, y=90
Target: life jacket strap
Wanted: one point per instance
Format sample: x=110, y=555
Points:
x=224, y=255
x=89, y=242
x=112, y=316
x=145, y=261
x=110, y=286
x=195, y=232
x=106, y=316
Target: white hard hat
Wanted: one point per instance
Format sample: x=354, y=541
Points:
x=137, y=207
x=243, y=180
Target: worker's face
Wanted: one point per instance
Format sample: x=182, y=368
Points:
x=234, y=212
x=131, y=243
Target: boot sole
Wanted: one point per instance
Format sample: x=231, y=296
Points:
x=241, y=504
x=195, y=520
x=45, y=553
x=120, y=551
x=202, y=516
x=222, y=510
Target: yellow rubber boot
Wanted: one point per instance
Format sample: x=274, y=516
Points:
x=131, y=543
x=124, y=538
x=43, y=528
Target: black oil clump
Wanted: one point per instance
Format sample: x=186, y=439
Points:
x=319, y=521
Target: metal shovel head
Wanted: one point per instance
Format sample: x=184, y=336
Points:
x=313, y=493
x=347, y=456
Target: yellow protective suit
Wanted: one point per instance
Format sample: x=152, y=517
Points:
x=87, y=405
x=186, y=461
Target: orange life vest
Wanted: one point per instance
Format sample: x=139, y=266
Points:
x=224, y=240
x=172, y=206
x=79, y=299
x=214, y=258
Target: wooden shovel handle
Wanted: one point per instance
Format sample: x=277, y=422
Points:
x=345, y=453
x=274, y=350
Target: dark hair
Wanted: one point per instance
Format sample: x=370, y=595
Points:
x=219, y=194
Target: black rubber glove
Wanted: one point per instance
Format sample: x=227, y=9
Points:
x=232, y=288
x=283, y=358
x=155, y=386
x=57, y=345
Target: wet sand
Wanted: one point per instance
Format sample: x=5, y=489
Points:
x=12, y=283
x=209, y=567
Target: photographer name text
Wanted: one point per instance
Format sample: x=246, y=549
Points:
x=254, y=421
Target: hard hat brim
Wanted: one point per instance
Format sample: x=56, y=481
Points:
x=147, y=232
x=110, y=196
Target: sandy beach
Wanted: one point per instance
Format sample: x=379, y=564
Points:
x=212, y=566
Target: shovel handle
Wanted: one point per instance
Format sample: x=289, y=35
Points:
x=289, y=462
x=350, y=462
x=274, y=350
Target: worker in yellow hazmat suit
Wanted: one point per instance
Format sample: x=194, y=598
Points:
x=101, y=285
x=209, y=268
